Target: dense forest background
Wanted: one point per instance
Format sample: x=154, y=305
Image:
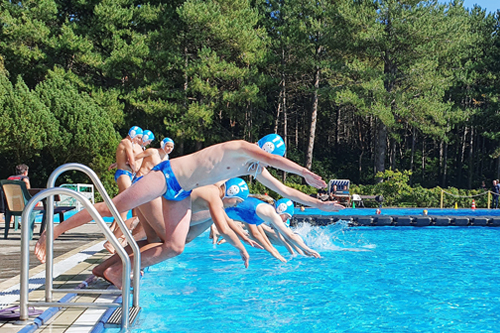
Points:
x=355, y=87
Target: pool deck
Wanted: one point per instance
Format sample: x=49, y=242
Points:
x=75, y=254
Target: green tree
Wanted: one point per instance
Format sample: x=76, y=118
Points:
x=84, y=131
x=401, y=64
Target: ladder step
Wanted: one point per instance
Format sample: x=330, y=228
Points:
x=115, y=320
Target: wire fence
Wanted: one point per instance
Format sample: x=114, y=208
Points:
x=490, y=195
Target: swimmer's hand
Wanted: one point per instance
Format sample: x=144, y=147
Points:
x=313, y=179
x=279, y=257
x=245, y=257
x=214, y=234
x=329, y=206
x=312, y=253
x=253, y=243
x=112, y=166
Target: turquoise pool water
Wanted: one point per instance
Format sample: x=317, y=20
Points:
x=370, y=279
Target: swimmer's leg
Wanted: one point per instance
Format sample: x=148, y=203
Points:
x=177, y=215
x=123, y=183
x=99, y=269
x=198, y=229
x=150, y=187
x=152, y=220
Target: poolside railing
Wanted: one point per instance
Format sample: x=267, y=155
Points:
x=48, y=194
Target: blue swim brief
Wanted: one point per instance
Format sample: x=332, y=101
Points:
x=121, y=172
x=136, y=179
x=174, y=190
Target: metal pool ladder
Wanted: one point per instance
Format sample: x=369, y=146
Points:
x=128, y=313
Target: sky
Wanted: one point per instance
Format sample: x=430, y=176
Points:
x=490, y=5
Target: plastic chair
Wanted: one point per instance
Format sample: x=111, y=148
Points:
x=16, y=197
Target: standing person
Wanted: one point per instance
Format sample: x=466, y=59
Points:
x=174, y=180
x=148, y=211
x=168, y=146
x=496, y=192
x=21, y=174
x=147, y=138
x=483, y=186
x=126, y=163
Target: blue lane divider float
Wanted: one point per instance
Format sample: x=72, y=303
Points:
x=49, y=313
x=99, y=327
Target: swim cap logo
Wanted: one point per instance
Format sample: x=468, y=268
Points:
x=268, y=147
x=281, y=208
x=285, y=206
x=233, y=190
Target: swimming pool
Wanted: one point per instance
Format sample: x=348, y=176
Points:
x=419, y=217
x=402, y=211
x=369, y=280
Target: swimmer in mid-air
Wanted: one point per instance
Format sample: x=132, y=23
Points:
x=175, y=179
x=254, y=212
x=212, y=199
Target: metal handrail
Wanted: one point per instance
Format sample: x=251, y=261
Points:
x=48, y=194
x=107, y=200
x=24, y=289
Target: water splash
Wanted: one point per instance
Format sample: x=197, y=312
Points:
x=333, y=237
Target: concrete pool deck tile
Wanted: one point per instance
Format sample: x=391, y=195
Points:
x=74, y=266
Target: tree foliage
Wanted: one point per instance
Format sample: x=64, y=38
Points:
x=355, y=87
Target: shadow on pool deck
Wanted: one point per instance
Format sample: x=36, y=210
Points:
x=10, y=253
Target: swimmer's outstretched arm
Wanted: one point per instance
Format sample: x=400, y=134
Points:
x=277, y=238
x=282, y=163
x=272, y=183
x=241, y=234
x=216, y=208
x=262, y=239
x=268, y=214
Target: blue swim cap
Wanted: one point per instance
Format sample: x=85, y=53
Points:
x=135, y=131
x=273, y=144
x=147, y=135
x=285, y=206
x=236, y=187
x=165, y=141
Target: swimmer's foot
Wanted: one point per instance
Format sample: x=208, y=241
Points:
x=114, y=277
x=110, y=247
x=40, y=249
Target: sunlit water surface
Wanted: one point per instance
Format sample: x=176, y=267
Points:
x=369, y=279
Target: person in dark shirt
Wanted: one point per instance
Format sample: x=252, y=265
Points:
x=21, y=174
x=496, y=192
